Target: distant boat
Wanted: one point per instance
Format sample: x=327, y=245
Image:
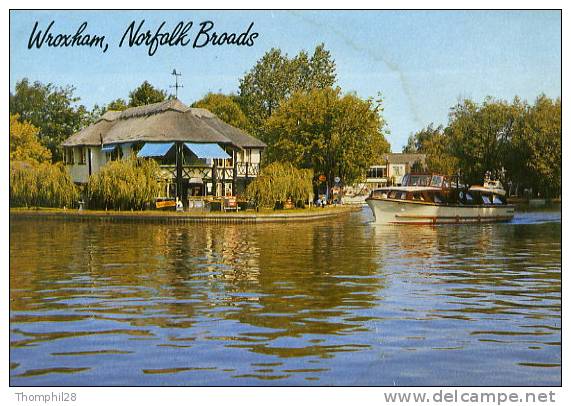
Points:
x=439, y=199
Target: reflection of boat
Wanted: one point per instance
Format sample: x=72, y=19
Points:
x=435, y=199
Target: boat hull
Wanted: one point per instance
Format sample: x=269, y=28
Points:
x=388, y=211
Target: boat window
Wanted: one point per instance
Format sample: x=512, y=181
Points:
x=376, y=193
x=403, y=195
x=469, y=198
x=497, y=200
x=393, y=194
x=404, y=180
x=437, y=199
x=436, y=181
x=486, y=199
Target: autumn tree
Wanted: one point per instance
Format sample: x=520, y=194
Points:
x=146, y=94
x=24, y=142
x=226, y=108
x=275, y=77
x=333, y=134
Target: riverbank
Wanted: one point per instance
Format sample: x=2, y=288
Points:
x=263, y=216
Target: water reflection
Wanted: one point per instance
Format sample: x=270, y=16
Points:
x=346, y=302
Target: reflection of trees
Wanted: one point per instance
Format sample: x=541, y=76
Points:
x=313, y=278
x=277, y=280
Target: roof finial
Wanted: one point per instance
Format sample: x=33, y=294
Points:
x=176, y=85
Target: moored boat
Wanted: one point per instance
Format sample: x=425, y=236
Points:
x=438, y=199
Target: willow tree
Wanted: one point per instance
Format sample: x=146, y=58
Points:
x=278, y=182
x=335, y=135
x=41, y=185
x=125, y=184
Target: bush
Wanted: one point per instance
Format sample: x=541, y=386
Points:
x=125, y=184
x=41, y=185
x=279, y=182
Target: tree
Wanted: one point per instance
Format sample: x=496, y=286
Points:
x=117, y=105
x=24, y=142
x=41, y=185
x=535, y=160
x=437, y=147
x=146, y=94
x=225, y=108
x=332, y=134
x=52, y=109
x=480, y=137
x=124, y=184
x=278, y=182
x=275, y=77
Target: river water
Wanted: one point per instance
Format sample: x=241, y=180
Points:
x=334, y=302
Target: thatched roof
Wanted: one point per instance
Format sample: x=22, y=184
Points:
x=236, y=136
x=170, y=120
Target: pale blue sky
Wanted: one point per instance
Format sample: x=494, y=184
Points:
x=421, y=61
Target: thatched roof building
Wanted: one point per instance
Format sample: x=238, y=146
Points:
x=167, y=121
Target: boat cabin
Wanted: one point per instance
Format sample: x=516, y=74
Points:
x=441, y=190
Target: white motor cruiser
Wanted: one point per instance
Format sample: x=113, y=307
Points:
x=437, y=199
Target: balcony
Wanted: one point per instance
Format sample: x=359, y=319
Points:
x=243, y=169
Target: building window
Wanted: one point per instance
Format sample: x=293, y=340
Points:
x=398, y=170
x=114, y=155
x=82, y=156
x=69, y=156
x=377, y=172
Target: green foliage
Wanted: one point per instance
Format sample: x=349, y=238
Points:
x=226, y=108
x=24, y=142
x=41, y=185
x=117, y=105
x=437, y=147
x=275, y=77
x=516, y=142
x=278, y=182
x=124, y=184
x=535, y=155
x=146, y=94
x=50, y=108
x=480, y=135
x=332, y=134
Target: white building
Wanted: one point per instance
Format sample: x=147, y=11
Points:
x=198, y=153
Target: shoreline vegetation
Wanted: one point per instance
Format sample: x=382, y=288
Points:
x=317, y=138
x=261, y=216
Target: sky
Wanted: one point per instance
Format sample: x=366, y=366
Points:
x=422, y=62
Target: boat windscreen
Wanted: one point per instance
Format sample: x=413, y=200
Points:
x=418, y=180
x=436, y=180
